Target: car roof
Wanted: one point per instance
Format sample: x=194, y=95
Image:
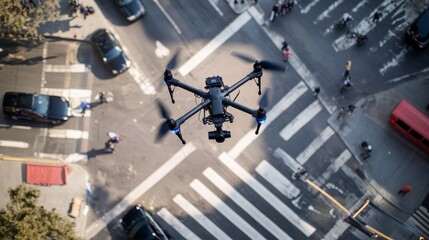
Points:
x=104, y=39
x=422, y=24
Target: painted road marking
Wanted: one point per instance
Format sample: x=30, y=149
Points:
x=199, y=217
x=324, y=136
x=67, y=133
x=287, y=160
x=177, y=224
x=74, y=68
x=281, y=183
x=309, y=6
x=141, y=80
x=214, y=44
x=242, y=202
x=294, y=60
x=142, y=188
x=280, y=107
x=14, y=144
x=333, y=168
x=268, y=196
x=68, y=92
x=214, y=3
x=326, y=13
x=168, y=17
x=226, y=211
x=302, y=119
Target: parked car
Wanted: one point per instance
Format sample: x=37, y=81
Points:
x=140, y=225
x=37, y=107
x=110, y=50
x=418, y=32
x=131, y=9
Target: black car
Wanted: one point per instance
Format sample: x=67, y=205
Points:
x=419, y=30
x=131, y=9
x=111, y=51
x=139, y=224
x=37, y=107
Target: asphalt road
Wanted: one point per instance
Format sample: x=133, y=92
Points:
x=259, y=169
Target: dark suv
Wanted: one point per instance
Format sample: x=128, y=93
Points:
x=140, y=225
x=418, y=32
x=37, y=107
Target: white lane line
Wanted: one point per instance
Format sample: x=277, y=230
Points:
x=226, y=211
x=275, y=178
x=168, y=17
x=14, y=144
x=294, y=60
x=67, y=92
x=214, y=3
x=359, y=5
x=326, y=13
x=254, y=212
x=365, y=25
x=309, y=6
x=280, y=107
x=67, y=133
x=176, y=224
x=299, y=121
x=287, y=160
x=199, y=217
x=141, y=80
x=333, y=168
x=393, y=62
x=21, y=127
x=45, y=55
x=74, y=68
x=141, y=189
x=303, y=157
x=215, y=43
x=268, y=196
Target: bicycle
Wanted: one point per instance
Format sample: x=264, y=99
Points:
x=360, y=38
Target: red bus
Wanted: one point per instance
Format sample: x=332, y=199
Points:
x=412, y=123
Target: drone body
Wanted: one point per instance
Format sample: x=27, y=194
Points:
x=215, y=101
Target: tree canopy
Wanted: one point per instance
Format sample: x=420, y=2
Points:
x=24, y=219
x=20, y=19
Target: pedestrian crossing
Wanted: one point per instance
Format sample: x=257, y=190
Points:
x=420, y=219
x=273, y=185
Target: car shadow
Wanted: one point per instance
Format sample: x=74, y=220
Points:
x=111, y=12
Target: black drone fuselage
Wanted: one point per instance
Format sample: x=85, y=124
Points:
x=215, y=101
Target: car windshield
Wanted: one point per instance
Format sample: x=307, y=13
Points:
x=113, y=53
x=41, y=105
x=423, y=25
x=124, y=2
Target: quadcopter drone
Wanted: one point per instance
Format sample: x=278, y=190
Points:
x=215, y=100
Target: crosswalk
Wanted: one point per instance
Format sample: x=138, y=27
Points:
x=273, y=185
x=420, y=219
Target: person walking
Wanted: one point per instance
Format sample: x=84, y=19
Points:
x=316, y=91
x=341, y=113
x=285, y=46
x=275, y=10
x=376, y=17
x=84, y=107
x=348, y=68
x=286, y=55
x=350, y=109
x=404, y=190
x=367, y=149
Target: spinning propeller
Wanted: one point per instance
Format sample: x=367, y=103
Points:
x=265, y=64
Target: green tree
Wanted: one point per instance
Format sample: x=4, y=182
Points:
x=20, y=19
x=24, y=219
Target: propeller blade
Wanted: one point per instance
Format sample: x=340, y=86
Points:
x=243, y=57
x=173, y=61
x=163, y=110
x=163, y=130
x=264, y=101
x=272, y=66
x=265, y=64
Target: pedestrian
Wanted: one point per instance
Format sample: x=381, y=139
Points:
x=316, y=91
x=274, y=12
x=350, y=109
x=376, y=17
x=366, y=150
x=347, y=84
x=84, y=106
x=340, y=113
x=235, y=3
x=284, y=7
x=286, y=55
x=404, y=190
x=285, y=46
x=348, y=68
x=301, y=172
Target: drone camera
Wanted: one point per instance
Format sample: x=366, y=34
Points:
x=219, y=135
x=212, y=82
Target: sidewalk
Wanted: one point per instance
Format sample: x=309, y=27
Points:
x=75, y=27
x=52, y=197
x=395, y=160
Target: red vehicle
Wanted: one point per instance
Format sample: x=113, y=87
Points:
x=412, y=123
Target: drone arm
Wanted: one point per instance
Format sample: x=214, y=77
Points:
x=238, y=106
x=185, y=86
x=189, y=114
x=238, y=84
